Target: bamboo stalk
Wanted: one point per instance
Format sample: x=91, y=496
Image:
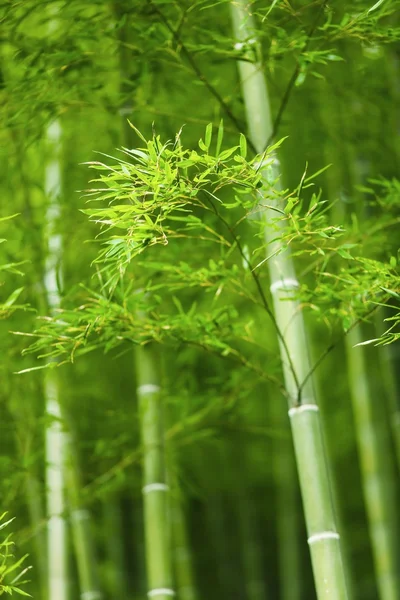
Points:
x=113, y=535
x=62, y=464
x=323, y=537
x=254, y=576
x=287, y=508
x=387, y=364
x=155, y=488
x=55, y=435
x=371, y=430
x=81, y=528
x=374, y=452
x=34, y=501
x=182, y=557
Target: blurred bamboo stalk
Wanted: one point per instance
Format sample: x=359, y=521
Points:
x=253, y=571
x=55, y=434
x=387, y=364
x=115, y=583
x=181, y=553
x=287, y=507
x=81, y=528
x=34, y=500
x=62, y=463
x=377, y=479
x=155, y=487
x=371, y=427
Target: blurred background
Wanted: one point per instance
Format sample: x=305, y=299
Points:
x=71, y=75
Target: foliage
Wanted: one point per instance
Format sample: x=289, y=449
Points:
x=8, y=305
x=165, y=196
x=175, y=233
x=8, y=565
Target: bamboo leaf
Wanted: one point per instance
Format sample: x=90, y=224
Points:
x=136, y=130
x=375, y=6
x=220, y=136
x=243, y=146
x=208, y=136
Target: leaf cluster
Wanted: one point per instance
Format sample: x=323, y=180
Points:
x=8, y=565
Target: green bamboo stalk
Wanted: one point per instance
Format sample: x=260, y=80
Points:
x=155, y=488
x=36, y=516
x=55, y=435
x=374, y=452
x=323, y=538
x=391, y=63
x=34, y=501
x=182, y=557
x=287, y=507
x=254, y=577
x=81, y=528
x=391, y=385
x=113, y=535
x=372, y=435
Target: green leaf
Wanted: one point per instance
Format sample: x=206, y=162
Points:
x=367, y=342
x=12, y=298
x=344, y=254
x=202, y=146
x=208, y=135
x=273, y=4
x=227, y=153
x=391, y=292
x=220, y=136
x=137, y=132
x=21, y=592
x=8, y=217
x=375, y=6
x=243, y=145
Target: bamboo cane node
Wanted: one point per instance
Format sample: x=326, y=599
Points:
x=285, y=284
x=160, y=592
x=155, y=487
x=323, y=535
x=148, y=388
x=302, y=408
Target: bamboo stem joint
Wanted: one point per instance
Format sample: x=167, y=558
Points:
x=160, y=592
x=148, y=388
x=324, y=535
x=155, y=487
x=303, y=408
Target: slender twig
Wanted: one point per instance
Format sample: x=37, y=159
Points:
x=213, y=90
x=264, y=300
x=217, y=95
x=331, y=347
x=293, y=78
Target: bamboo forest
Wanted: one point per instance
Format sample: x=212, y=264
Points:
x=200, y=299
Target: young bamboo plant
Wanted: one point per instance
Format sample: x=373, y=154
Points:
x=323, y=537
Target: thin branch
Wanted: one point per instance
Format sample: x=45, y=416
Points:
x=214, y=92
x=293, y=78
x=329, y=349
x=261, y=293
